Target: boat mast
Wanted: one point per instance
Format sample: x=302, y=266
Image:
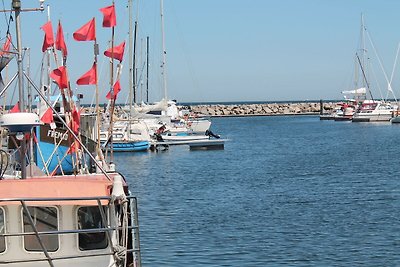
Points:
x=130, y=57
x=134, y=55
x=164, y=62
x=147, y=69
x=16, y=5
x=363, y=59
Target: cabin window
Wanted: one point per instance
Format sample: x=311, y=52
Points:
x=44, y=219
x=90, y=218
x=2, y=231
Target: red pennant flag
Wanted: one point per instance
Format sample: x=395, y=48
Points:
x=109, y=18
x=87, y=32
x=116, y=89
x=73, y=148
x=60, y=42
x=48, y=116
x=89, y=77
x=60, y=77
x=117, y=52
x=48, y=36
x=76, y=121
x=15, y=108
x=6, y=46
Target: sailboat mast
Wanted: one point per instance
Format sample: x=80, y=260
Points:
x=363, y=59
x=134, y=64
x=164, y=62
x=134, y=54
x=147, y=69
x=130, y=57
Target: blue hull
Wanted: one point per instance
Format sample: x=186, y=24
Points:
x=131, y=146
x=45, y=151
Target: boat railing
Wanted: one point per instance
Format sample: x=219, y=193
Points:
x=132, y=251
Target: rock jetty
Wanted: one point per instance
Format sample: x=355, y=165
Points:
x=267, y=109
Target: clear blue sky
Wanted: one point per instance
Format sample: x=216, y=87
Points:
x=231, y=50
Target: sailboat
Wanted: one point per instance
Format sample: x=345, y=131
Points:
x=166, y=113
x=372, y=110
x=128, y=134
x=88, y=218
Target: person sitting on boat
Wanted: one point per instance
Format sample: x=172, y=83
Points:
x=159, y=131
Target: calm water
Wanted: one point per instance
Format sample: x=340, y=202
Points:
x=286, y=191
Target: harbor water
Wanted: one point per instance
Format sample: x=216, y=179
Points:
x=285, y=191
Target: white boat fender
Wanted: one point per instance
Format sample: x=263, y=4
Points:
x=118, y=189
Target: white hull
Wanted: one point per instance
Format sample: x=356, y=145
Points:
x=372, y=117
x=199, y=126
x=184, y=137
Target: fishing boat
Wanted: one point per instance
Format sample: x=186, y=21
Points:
x=88, y=218
x=79, y=220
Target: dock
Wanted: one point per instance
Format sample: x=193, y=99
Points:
x=206, y=144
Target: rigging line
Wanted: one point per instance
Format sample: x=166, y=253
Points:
x=8, y=22
x=374, y=76
x=379, y=60
x=393, y=70
x=395, y=62
x=365, y=78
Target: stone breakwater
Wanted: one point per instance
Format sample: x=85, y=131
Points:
x=270, y=109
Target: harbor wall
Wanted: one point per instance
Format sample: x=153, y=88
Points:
x=267, y=109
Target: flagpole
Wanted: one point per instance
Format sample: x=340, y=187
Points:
x=98, y=149
x=112, y=96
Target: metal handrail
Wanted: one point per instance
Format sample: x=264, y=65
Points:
x=65, y=232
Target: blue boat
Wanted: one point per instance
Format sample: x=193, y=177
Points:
x=127, y=137
x=53, y=153
x=132, y=146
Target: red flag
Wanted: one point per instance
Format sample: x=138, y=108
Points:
x=60, y=77
x=76, y=121
x=48, y=116
x=109, y=18
x=74, y=147
x=15, y=108
x=116, y=89
x=87, y=32
x=48, y=36
x=117, y=52
x=89, y=77
x=60, y=42
x=6, y=46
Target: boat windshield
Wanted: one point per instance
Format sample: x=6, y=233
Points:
x=369, y=106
